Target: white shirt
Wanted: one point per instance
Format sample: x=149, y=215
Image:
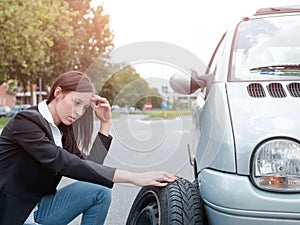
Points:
x=44, y=110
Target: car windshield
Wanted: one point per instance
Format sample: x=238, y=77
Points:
x=267, y=49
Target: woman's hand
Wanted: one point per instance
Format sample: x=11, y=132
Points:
x=102, y=110
x=160, y=178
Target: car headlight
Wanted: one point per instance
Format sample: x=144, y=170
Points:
x=276, y=165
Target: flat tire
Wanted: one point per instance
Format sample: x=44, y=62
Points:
x=179, y=203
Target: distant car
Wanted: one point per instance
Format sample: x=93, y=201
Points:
x=4, y=111
x=17, y=108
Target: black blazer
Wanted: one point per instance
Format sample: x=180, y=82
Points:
x=31, y=165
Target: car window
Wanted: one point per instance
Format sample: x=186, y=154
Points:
x=267, y=48
x=211, y=68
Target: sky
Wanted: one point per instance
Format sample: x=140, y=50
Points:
x=192, y=25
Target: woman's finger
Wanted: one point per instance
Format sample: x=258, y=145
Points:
x=98, y=99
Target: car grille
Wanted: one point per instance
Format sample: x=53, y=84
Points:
x=256, y=90
x=275, y=90
x=294, y=89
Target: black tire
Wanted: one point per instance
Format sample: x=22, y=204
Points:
x=177, y=204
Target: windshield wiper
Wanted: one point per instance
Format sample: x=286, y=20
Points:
x=277, y=67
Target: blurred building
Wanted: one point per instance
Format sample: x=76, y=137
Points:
x=12, y=93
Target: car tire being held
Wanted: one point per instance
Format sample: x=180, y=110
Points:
x=179, y=203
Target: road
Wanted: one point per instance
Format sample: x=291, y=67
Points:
x=144, y=145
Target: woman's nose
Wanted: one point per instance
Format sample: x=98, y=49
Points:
x=78, y=111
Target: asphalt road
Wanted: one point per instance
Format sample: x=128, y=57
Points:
x=144, y=145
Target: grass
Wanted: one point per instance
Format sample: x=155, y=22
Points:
x=167, y=113
x=3, y=121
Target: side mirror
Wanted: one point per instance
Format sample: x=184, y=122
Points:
x=187, y=82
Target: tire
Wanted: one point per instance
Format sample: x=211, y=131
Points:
x=179, y=203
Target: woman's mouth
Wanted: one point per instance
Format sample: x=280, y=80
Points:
x=71, y=119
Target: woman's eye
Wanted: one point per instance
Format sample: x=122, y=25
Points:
x=77, y=103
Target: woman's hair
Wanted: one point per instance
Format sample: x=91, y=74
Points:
x=79, y=132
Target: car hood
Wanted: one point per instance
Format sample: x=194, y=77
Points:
x=260, y=111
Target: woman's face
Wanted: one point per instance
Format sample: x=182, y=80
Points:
x=72, y=105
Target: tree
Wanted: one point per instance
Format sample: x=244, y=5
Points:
x=28, y=29
x=126, y=88
x=44, y=38
x=92, y=38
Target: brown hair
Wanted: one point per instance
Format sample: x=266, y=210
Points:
x=80, y=132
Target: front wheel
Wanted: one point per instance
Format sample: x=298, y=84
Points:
x=179, y=203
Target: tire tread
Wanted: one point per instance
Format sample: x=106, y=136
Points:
x=184, y=201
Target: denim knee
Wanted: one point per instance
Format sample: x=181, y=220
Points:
x=104, y=195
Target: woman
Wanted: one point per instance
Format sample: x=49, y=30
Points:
x=40, y=145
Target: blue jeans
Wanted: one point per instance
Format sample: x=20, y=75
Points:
x=90, y=199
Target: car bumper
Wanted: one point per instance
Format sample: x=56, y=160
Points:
x=232, y=199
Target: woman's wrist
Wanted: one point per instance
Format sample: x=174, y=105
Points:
x=104, y=128
x=122, y=176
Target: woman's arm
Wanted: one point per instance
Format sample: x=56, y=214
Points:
x=28, y=131
x=103, y=140
x=160, y=178
x=103, y=112
x=99, y=148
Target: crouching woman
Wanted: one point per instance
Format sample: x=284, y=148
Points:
x=53, y=139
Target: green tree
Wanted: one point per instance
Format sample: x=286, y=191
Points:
x=28, y=29
x=92, y=38
x=126, y=88
x=43, y=38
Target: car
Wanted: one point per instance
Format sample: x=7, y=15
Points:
x=246, y=151
x=17, y=108
x=4, y=110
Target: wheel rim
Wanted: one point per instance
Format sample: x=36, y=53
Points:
x=148, y=216
x=148, y=210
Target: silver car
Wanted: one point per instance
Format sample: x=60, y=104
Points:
x=246, y=154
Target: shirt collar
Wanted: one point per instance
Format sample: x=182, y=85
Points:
x=44, y=110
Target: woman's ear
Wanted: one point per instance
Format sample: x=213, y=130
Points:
x=57, y=91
